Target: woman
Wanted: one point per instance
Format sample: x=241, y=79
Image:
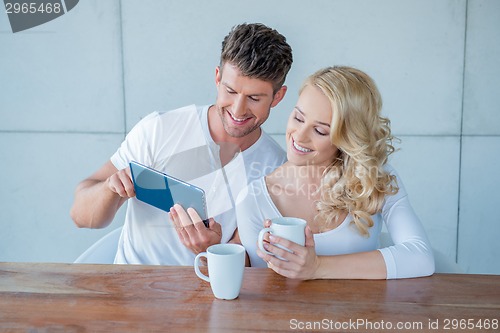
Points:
x=338, y=180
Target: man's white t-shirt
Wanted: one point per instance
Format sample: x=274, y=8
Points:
x=178, y=143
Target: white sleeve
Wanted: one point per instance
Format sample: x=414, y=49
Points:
x=411, y=255
x=136, y=146
x=251, y=211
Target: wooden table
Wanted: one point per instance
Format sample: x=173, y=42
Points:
x=121, y=298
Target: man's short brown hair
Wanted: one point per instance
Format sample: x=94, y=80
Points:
x=258, y=52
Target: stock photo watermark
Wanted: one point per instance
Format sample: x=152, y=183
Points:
x=24, y=15
x=359, y=324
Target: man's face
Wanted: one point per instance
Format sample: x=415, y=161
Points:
x=243, y=103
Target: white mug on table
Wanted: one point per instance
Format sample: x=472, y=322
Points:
x=226, y=264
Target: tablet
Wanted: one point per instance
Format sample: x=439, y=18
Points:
x=163, y=191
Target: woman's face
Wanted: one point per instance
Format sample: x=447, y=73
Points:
x=308, y=130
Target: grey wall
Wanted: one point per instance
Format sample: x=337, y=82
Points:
x=71, y=88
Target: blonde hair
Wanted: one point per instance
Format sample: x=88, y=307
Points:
x=356, y=181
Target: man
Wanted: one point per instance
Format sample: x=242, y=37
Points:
x=220, y=148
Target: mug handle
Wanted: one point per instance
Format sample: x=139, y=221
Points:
x=197, y=266
x=261, y=240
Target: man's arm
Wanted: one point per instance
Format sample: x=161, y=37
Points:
x=98, y=198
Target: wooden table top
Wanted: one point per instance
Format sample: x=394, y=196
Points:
x=122, y=298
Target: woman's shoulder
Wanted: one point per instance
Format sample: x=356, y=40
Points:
x=398, y=198
x=391, y=170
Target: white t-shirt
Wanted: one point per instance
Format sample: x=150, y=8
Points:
x=178, y=143
x=411, y=256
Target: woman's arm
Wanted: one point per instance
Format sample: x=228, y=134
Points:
x=304, y=264
x=410, y=256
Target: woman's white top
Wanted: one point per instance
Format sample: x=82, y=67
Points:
x=410, y=256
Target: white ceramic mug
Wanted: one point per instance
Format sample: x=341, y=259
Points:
x=291, y=228
x=226, y=264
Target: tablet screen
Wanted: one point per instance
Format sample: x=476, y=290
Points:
x=163, y=191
